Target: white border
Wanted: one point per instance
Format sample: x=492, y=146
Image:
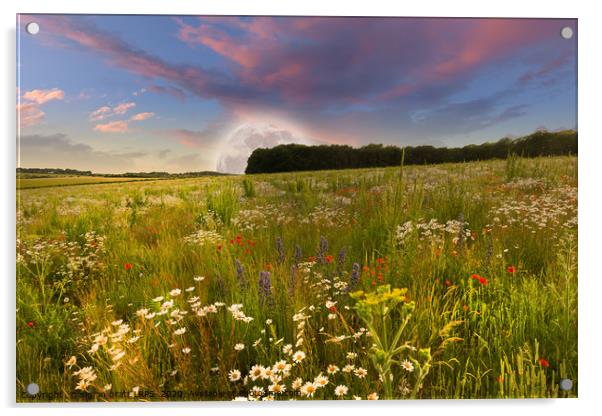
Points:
x=590, y=151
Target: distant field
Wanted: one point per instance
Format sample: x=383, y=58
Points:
x=26, y=183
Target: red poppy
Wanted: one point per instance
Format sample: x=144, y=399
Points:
x=380, y=260
x=231, y=241
x=238, y=237
x=30, y=324
x=366, y=268
x=311, y=259
x=374, y=283
x=128, y=266
x=500, y=379
x=511, y=269
x=447, y=282
x=483, y=281
x=247, y=251
x=268, y=266
x=329, y=258
x=380, y=277
x=544, y=363
x=465, y=307
x=219, y=247
x=332, y=309
x=475, y=276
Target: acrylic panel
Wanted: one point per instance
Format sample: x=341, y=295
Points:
x=307, y=208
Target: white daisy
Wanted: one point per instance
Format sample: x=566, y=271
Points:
x=340, y=390
x=234, y=375
x=407, y=365
x=298, y=356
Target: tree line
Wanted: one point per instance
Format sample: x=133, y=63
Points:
x=49, y=172
x=297, y=157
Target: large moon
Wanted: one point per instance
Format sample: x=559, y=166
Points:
x=237, y=148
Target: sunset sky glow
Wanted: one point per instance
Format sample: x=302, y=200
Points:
x=168, y=93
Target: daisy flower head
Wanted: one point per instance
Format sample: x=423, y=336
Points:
x=341, y=390
x=267, y=373
x=234, y=375
x=321, y=381
x=82, y=385
x=308, y=389
x=239, y=347
x=407, y=365
x=361, y=372
x=256, y=392
x=373, y=396
x=348, y=368
x=256, y=372
x=297, y=383
x=298, y=356
x=277, y=388
x=332, y=369
x=281, y=366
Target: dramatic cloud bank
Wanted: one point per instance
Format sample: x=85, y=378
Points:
x=342, y=79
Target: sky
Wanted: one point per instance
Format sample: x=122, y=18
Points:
x=117, y=94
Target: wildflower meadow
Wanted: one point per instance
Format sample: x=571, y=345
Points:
x=412, y=282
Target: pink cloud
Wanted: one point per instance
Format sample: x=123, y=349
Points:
x=29, y=114
x=142, y=116
x=119, y=126
x=112, y=127
x=106, y=111
x=43, y=96
x=101, y=113
x=219, y=41
x=123, y=108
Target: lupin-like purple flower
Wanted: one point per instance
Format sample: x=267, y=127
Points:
x=265, y=287
x=341, y=257
x=240, y=273
x=293, y=280
x=354, y=278
x=323, y=249
x=280, y=248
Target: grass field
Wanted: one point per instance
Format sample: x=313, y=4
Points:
x=62, y=180
x=448, y=281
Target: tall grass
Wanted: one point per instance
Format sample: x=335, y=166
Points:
x=485, y=254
